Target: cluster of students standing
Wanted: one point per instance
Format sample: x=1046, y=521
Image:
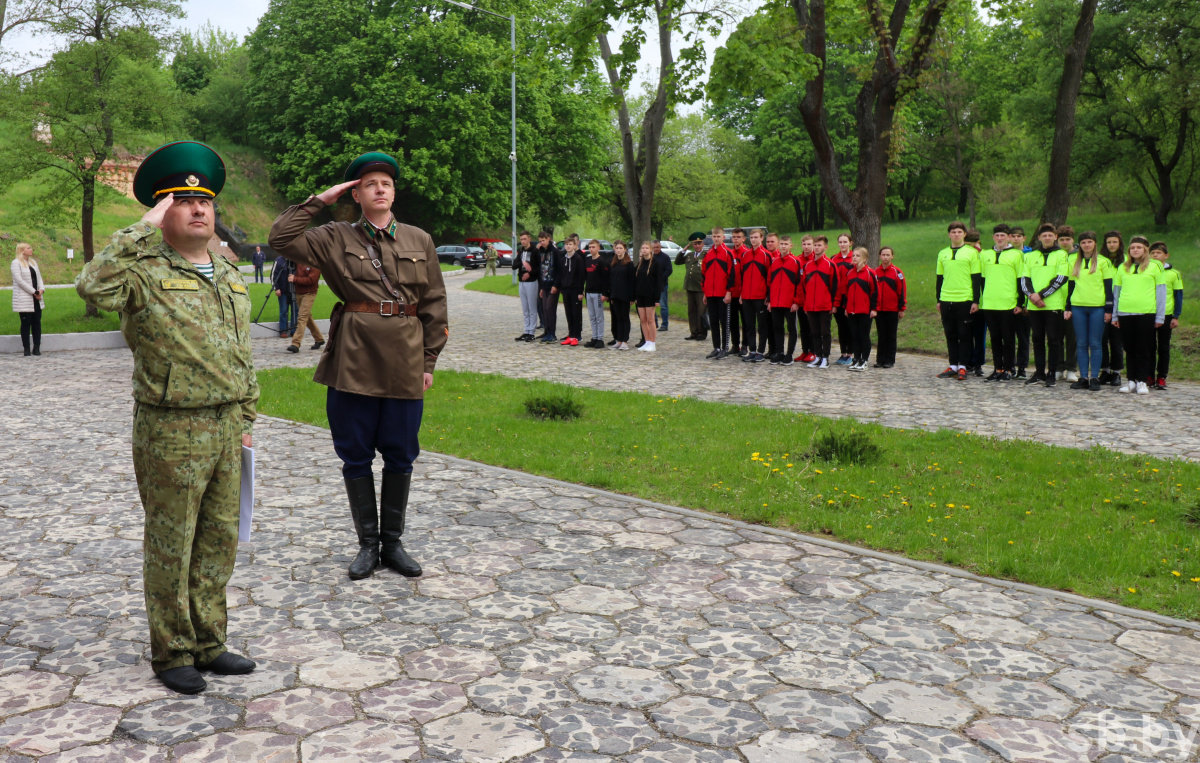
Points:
x=1113, y=307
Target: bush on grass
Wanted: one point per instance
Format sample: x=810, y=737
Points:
x=851, y=448
x=553, y=407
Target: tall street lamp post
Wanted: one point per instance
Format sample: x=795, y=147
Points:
x=512, y=156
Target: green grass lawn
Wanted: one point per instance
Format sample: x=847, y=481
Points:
x=917, y=244
x=1094, y=522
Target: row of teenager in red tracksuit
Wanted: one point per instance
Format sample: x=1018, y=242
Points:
x=761, y=291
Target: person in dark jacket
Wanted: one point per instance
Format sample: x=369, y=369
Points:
x=281, y=283
x=664, y=264
x=258, y=259
x=649, y=282
x=549, y=284
x=621, y=293
x=527, y=262
x=572, y=279
x=595, y=288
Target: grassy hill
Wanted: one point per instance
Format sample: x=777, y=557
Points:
x=248, y=201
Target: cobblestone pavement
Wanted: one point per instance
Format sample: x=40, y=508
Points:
x=483, y=326
x=554, y=623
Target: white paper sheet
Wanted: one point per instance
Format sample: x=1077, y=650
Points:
x=247, y=502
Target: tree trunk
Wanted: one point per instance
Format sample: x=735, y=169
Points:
x=658, y=229
x=1058, y=197
x=85, y=224
x=875, y=106
x=962, y=200
x=799, y=209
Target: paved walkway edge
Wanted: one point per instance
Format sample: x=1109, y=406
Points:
x=110, y=340
x=817, y=541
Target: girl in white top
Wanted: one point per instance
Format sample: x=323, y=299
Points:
x=28, y=288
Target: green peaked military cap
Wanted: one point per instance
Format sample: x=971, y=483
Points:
x=184, y=168
x=372, y=161
x=697, y=236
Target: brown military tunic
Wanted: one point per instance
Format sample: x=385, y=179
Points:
x=375, y=355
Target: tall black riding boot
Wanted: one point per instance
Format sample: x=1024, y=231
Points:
x=393, y=503
x=361, y=492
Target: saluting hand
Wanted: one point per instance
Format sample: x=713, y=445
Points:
x=333, y=194
x=155, y=214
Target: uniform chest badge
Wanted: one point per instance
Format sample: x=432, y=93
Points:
x=238, y=287
x=180, y=284
x=193, y=181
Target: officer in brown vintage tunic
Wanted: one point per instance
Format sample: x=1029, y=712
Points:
x=380, y=356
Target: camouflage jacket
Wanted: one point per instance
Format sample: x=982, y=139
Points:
x=190, y=336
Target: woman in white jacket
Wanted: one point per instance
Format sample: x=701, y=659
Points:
x=28, y=288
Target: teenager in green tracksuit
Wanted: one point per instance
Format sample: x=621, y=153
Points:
x=1090, y=302
x=1044, y=283
x=1000, y=267
x=958, y=288
x=1162, y=336
x=1069, y=369
x=1139, y=307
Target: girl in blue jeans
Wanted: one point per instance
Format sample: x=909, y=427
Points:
x=1089, y=306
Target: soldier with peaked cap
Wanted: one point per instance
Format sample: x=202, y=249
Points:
x=185, y=314
x=380, y=359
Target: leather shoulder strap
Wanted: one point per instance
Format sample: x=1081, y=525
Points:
x=377, y=264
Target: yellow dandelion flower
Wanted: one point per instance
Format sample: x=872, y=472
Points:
x=1131, y=590
x=1176, y=573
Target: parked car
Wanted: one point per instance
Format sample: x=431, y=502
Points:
x=502, y=249
x=464, y=256
x=670, y=247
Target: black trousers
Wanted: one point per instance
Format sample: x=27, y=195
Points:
x=886, y=324
x=1137, y=333
x=1162, y=348
x=1000, y=326
x=764, y=327
x=752, y=320
x=31, y=324
x=979, y=332
x=573, y=306
x=843, y=329
x=362, y=425
x=718, y=321
x=819, y=325
x=1112, y=349
x=1046, y=331
x=1021, y=336
x=957, y=324
x=549, y=311
x=780, y=317
x=735, y=321
x=859, y=325
x=806, y=337
x=620, y=319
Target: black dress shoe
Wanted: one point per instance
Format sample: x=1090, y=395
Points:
x=230, y=664
x=37, y=350
x=318, y=345
x=293, y=348
x=185, y=680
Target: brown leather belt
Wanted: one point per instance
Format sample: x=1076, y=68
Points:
x=385, y=308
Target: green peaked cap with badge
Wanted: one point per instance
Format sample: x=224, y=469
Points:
x=185, y=168
x=373, y=161
x=697, y=236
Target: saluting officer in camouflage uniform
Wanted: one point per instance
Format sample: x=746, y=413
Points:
x=379, y=362
x=185, y=313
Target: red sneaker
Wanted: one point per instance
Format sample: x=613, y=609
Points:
x=566, y=342
x=1161, y=383
x=949, y=373
x=808, y=357
x=962, y=373
x=574, y=342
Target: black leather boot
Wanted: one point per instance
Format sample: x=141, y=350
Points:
x=361, y=492
x=393, y=503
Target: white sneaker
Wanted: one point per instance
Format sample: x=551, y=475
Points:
x=814, y=364
x=1142, y=389
x=824, y=364
x=1126, y=388
x=648, y=347
x=1072, y=376
x=622, y=346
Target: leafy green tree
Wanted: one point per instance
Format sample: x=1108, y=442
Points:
x=698, y=175
x=106, y=86
x=330, y=79
x=211, y=69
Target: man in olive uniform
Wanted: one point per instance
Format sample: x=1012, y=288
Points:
x=186, y=315
x=491, y=257
x=380, y=359
x=692, y=256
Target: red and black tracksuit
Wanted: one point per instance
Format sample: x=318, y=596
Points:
x=806, y=343
x=719, y=273
x=785, y=291
x=844, y=265
x=820, y=286
x=735, y=306
x=755, y=265
x=858, y=297
x=893, y=299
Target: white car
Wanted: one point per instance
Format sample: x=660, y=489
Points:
x=670, y=247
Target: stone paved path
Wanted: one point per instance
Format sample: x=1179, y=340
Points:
x=554, y=623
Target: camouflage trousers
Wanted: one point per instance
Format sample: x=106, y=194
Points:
x=188, y=464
